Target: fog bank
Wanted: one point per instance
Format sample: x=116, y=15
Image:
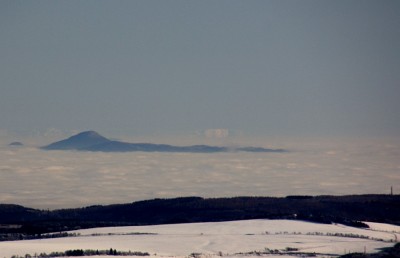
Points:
x=60, y=179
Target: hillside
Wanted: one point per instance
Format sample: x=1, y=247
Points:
x=323, y=209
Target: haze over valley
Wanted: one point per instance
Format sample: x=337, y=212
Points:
x=59, y=179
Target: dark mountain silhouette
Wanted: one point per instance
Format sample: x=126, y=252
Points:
x=92, y=141
x=77, y=142
x=16, y=144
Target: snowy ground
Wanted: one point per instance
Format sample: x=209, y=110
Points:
x=213, y=239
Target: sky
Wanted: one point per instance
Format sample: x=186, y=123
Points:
x=311, y=67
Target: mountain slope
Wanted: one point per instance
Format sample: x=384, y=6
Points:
x=80, y=141
x=116, y=146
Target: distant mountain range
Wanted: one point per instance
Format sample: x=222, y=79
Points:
x=92, y=141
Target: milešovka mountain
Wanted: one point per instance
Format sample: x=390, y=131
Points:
x=92, y=141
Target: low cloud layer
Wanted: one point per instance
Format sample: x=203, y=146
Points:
x=55, y=179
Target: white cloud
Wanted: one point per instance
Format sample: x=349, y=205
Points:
x=216, y=133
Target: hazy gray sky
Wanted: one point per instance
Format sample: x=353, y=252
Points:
x=159, y=67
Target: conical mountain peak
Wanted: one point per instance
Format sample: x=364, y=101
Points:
x=78, y=141
x=89, y=134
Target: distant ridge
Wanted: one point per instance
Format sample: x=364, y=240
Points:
x=16, y=144
x=346, y=209
x=93, y=141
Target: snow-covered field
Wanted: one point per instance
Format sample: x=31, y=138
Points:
x=223, y=238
